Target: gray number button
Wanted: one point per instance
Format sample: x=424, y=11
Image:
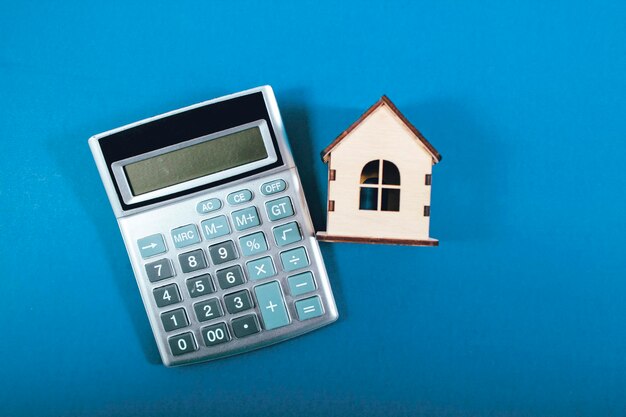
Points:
x=192, y=261
x=167, y=295
x=246, y=325
x=223, y=252
x=238, y=301
x=182, y=343
x=215, y=334
x=174, y=319
x=159, y=270
x=200, y=285
x=230, y=277
x=208, y=310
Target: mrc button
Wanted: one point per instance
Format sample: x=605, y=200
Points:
x=185, y=236
x=273, y=187
x=239, y=197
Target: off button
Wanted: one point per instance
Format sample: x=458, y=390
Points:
x=273, y=187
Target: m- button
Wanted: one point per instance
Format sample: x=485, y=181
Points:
x=185, y=236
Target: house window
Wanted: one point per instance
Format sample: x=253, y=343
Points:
x=380, y=186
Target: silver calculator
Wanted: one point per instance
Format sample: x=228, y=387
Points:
x=216, y=225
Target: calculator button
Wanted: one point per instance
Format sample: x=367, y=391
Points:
x=239, y=197
x=273, y=187
x=287, y=234
x=223, y=252
x=309, y=308
x=272, y=305
x=245, y=325
x=151, y=245
x=159, y=270
x=208, y=310
x=301, y=283
x=294, y=259
x=215, y=227
x=185, y=236
x=215, y=334
x=192, y=261
x=175, y=319
x=182, y=343
x=246, y=218
x=261, y=268
x=208, y=206
x=253, y=244
x=200, y=285
x=238, y=301
x=167, y=295
x=279, y=209
x=230, y=277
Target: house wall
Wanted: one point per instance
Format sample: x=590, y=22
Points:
x=381, y=136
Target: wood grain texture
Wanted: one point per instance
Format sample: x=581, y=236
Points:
x=382, y=135
x=325, y=237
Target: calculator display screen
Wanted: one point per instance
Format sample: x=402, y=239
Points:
x=195, y=161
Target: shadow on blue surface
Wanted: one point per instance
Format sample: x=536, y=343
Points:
x=79, y=168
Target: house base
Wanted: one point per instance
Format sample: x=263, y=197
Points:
x=325, y=237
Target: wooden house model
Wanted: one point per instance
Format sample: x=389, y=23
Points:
x=379, y=181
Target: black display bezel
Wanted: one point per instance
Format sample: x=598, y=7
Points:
x=184, y=126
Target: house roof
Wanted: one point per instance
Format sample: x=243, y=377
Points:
x=383, y=100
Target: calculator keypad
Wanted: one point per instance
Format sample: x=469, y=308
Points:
x=230, y=277
x=256, y=278
x=192, y=261
x=208, y=310
x=223, y=252
x=175, y=319
x=159, y=270
x=215, y=334
x=164, y=296
x=200, y=285
x=246, y=218
x=238, y=302
x=183, y=343
x=245, y=325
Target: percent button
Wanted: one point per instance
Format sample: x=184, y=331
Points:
x=253, y=244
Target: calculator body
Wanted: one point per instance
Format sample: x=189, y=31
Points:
x=216, y=226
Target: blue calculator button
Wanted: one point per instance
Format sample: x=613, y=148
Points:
x=215, y=227
x=273, y=187
x=309, y=308
x=301, y=283
x=239, y=197
x=294, y=259
x=287, y=234
x=253, y=244
x=151, y=245
x=246, y=218
x=185, y=236
x=279, y=208
x=272, y=305
x=261, y=268
x=208, y=206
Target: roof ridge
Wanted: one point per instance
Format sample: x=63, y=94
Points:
x=383, y=100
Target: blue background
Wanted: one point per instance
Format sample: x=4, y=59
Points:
x=520, y=312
